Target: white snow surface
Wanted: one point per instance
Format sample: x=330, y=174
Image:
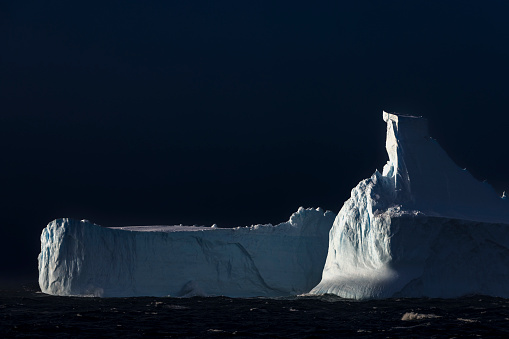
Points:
x=84, y=259
x=425, y=227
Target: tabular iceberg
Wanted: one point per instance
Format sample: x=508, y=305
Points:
x=81, y=258
x=424, y=227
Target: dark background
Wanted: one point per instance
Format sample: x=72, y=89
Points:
x=231, y=112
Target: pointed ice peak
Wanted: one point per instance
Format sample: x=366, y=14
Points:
x=424, y=178
x=401, y=129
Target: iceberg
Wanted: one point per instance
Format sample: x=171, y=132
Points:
x=83, y=259
x=422, y=228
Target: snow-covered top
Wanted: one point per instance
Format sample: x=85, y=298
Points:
x=296, y=221
x=163, y=228
x=424, y=178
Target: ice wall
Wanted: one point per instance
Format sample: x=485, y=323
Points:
x=81, y=258
x=424, y=227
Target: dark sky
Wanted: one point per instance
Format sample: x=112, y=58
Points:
x=231, y=112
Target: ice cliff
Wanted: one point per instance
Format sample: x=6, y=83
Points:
x=81, y=258
x=423, y=227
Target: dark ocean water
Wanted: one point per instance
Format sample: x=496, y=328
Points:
x=26, y=312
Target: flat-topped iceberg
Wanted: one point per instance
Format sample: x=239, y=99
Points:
x=81, y=258
x=423, y=227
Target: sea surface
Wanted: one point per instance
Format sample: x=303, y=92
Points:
x=26, y=312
